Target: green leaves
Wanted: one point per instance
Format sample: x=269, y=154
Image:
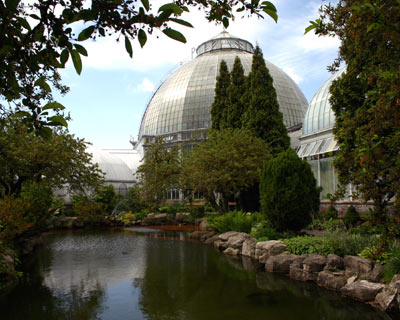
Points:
x=173, y=34
x=270, y=9
x=64, y=56
x=12, y=4
x=146, y=4
x=86, y=33
x=57, y=121
x=142, y=37
x=171, y=7
x=182, y=22
x=41, y=82
x=76, y=59
x=128, y=46
x=313, y=25
x=81, y=49
x=53, y=106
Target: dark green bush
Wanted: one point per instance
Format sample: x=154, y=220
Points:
x=263, y=231
x=393, y=264
x=331, y=213
x=288, y=192
x=234, y=221
x=106, y=197
x=197, y=211
x=351, y=217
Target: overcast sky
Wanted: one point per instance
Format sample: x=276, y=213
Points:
x=107, y=100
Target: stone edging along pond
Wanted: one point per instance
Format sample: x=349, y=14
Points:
x=353, y=276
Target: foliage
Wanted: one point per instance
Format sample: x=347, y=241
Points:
x=351, y=217
x=263, y=231
x=12, y=218
x=133, y=201
x=159, y=171
x=261, y=115
x=106, y=196
x=234, y=221
x=235, y=93
x=366, y=228
x=39, y=37
x=331, y=213
x=337, y=242
x=288, y=191
x=87, y=209
x=229, y=161
x=197, y=211
x=221, y=103
x=393, y=264
x=59, y=161
x=366, y=98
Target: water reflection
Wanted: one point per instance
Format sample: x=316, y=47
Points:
x=140, y=273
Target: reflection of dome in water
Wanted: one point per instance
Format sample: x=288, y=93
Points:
x=182, y=102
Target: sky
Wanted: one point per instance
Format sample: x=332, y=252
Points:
x=107, y=101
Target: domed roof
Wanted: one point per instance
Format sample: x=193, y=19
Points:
x=319, y=115
x=115, y=169
x=183, y=100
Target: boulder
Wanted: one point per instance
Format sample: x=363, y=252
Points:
x=331, y=280
x=266, y=249
x=236, y=241
x=225, y=236
x=281, y=262
x=212, y=239
x=220, y=244
x=388, y=299
x=377, y=273
x=362, y=290
x=182, y=216
x=300, y=271
x=231, y=251
x=313, y=263
x=334, y=262
x=359, y=266
x=249, y=247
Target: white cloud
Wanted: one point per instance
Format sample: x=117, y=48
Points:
x=292, y=73
x=146, y=86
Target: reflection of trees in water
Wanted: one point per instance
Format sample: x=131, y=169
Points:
x=187, y=282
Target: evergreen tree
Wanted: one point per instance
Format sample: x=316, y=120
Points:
x=262, y=116
x=237, y=88
x=220, y=100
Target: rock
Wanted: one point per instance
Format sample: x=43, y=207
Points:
x=9, y=262
x=249, y=247
x=212, y=239
x=334, y=262
x=204, y=225
x=225, y=236
x=236, y=241
x=201, y=235
x=313, y=263
x=357, y=265
x=266, y=249
x=231, y=251
x=154, y=219
x=377, y=273
x=388, y=299
x=351, y=280
x=220, y=244
x=195, y=235
x=280, y=263
x=331, y=280
x=362, y=290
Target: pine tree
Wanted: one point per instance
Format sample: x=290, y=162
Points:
x=220, y=99
x=237, y=88
x=262, y=116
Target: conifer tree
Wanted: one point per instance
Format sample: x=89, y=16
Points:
x=262, y=116
x=237, y=88
x=220, y=99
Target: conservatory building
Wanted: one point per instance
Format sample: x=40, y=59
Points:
x=179, y=110
x=317, y=143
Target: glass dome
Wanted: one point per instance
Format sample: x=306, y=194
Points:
x=183, y=101
x=115, y=169
x=319, y=115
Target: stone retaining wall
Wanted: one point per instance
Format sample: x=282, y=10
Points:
x=353, y=276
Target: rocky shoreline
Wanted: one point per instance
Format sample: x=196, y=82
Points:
x=353, y=276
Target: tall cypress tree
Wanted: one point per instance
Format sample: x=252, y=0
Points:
x=232, y=116
x=220, y=100
x=262, y=116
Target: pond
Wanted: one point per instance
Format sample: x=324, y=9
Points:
x=139, y=273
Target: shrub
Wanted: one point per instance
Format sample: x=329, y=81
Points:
x=234, y=221
x=393, y=264
x=107, y=197
x=288, y=192
x=12, y=222
x=306, y=244
x=263, y=231
x=331, y=213
x=87, y=209
x=197, y=211
x=351, y=217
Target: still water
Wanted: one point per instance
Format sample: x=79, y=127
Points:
x=139, y=273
